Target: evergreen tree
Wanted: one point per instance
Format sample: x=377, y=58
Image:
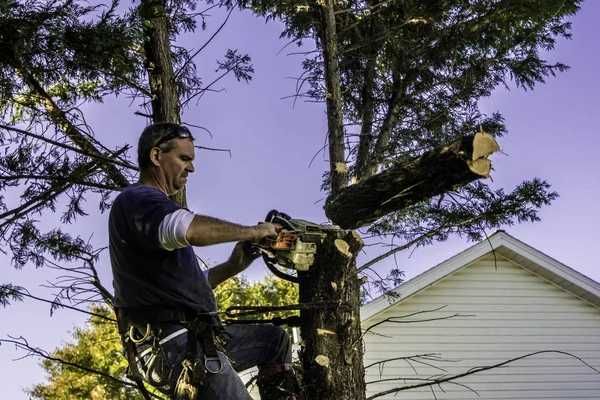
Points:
x=400, y=81
x=56, y=58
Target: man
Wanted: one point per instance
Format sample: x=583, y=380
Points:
x=164, y=301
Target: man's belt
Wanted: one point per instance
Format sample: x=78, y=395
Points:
x=154, y=315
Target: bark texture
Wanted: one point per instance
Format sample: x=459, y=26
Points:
x=157, y=48
x=338, y=171
x=332, y=354
x=407, y=183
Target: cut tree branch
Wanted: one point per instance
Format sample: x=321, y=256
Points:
x=406, y=183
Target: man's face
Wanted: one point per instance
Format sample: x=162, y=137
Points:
x=176, y=164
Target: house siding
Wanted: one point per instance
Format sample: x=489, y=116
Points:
x=494, y=310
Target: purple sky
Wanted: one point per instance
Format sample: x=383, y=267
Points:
x=552, y=135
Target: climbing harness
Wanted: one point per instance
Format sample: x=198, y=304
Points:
x=144, y=348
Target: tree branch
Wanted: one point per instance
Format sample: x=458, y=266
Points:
x=368, y=100
x=437, y=171
x=57, y=304
x=60, y=119
x=22, y=344
x=210, y=39
x=59, y=179
x=55, y=189
x=95, y=156
x=477, y=370
x=389, y=121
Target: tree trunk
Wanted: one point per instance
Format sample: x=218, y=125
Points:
x=332, y=354
x=161, y=77
x=404, y=184
x=157, y=48
x=338, y=170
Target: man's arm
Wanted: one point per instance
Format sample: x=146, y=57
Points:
x=204, y=231
x=239, y=260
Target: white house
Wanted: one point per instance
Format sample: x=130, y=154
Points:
x=497, y=300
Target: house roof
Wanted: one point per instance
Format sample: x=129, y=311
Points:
x=507, y=246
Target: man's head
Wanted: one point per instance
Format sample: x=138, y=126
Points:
x=166, y=155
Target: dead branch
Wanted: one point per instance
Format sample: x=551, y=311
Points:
x=476, y=370
x=22, y=344
x=402, y=318
x=210, y=39
x=58, y=304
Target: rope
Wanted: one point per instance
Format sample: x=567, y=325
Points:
x=234, y=312
x=277, y=321
x=241, y=311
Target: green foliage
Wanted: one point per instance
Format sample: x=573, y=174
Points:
x=8, y=293
x=97, y=345
x=272, y=292
x=81, y=49
x=58, y=56
x=412, y=75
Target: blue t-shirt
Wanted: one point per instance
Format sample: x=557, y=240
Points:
x=145, y=274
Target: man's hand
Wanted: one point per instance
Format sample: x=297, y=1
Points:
x=242, y=255
x=266, y=230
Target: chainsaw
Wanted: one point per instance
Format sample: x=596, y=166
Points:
x=295, y=246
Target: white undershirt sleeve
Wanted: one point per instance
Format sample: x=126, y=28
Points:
x=173, y=229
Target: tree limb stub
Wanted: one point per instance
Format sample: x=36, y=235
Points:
x=407, y=183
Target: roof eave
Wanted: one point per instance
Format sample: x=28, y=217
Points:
x=509, y=247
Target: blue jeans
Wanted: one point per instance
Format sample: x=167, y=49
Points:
x=261, y=345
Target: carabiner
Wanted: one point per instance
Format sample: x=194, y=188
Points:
x=216, y=359
x=143, y=338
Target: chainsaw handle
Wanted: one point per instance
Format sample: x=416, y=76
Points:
x=277, y=217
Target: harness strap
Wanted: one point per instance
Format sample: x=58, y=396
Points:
x=163, y=341
x=133, y=372
x=202, y=329
x=205, y=335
